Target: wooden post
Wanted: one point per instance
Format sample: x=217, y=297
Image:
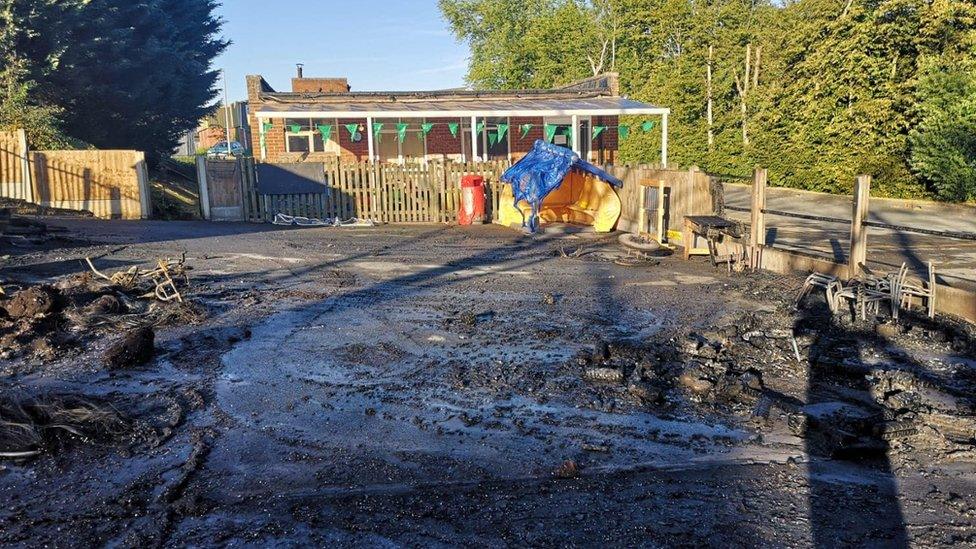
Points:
x=859, y=233
x=204, y=192
x=145, y=193
x=757, y=232
x=662, y=233
x=28, y=185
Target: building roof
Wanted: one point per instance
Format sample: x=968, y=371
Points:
x=480, y=106
x=592, y=96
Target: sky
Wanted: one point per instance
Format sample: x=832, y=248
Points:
x=377, y=44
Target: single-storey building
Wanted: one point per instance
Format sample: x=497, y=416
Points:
x=322, y=118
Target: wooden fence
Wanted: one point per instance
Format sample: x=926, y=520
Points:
x=416, y=193
x=14, y=172
x=109, y=184
x=386, y=193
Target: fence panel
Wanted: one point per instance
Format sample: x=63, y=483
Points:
x=14, y=182
x=107, y=183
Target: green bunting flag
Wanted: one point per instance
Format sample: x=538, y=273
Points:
x=597, y=130
x=569, y=136
x=353, y=130
x=401, y=132
x=326, y=131
x=480, y=127
x=526, y=128
x=378, y=131
x=647, y=126
x=295, y=128
x=453, y=126
x=425, y=129
x=492, y=139
x=502, y=130
x=267, y=126
x=623, y=131
x=550, y=132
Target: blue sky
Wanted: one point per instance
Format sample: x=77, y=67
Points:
x=377, y=44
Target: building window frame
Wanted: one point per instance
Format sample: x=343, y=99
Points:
x=309, y=131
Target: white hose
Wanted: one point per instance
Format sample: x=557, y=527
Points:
x=282, y=219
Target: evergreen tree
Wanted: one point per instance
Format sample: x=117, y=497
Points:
x=835, y=88
x=131, y=74
x=943, y=146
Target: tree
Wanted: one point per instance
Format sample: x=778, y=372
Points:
x=21, y=39
x=840, y=88
x=943, y=146
x=41, y=123
x=137, y=74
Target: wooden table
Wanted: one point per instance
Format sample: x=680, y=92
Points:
x=705, y=226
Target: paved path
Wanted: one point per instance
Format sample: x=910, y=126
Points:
x=955, y=260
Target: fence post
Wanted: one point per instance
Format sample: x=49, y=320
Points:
x=145, y=192
x=859, y=233
x=204, y=192
x=757, y=227
x=25, y=168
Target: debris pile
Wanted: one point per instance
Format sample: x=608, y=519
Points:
x=838, y=386
x=32, y=426
x=42, y=323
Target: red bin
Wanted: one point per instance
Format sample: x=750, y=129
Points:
x=472, y=208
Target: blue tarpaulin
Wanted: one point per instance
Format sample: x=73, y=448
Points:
x=542, y=171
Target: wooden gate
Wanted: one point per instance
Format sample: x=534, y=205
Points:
x=221, y=189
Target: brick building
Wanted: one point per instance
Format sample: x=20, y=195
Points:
x=322, y=118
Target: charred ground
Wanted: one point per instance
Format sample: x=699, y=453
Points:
x=433, y=385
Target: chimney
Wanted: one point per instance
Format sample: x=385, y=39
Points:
x=300, y=66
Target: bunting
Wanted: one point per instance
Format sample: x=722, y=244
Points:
x=647, y=126
x=502, y=130
x=480, y=127
x=526, y=128
x=378, y=131
x=353, y=130
x=267, y=126
x=623, y=131
x=550, y=132
x=492, y=139
x=326, y=131
x=425, y=129
x=295, y=128
x=597, y=130
x=453, y=126
x=402, y=131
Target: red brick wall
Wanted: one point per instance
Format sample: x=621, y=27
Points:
x=441, y=144
x=313, y=85
x=605, y=146
x=274, y=139
x=352, y=150
x=211, y=136
x=520, y=145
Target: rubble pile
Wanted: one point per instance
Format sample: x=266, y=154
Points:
x=839, y=385
x=43, y=323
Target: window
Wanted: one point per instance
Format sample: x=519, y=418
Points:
x=499, y=149
x=563, y=136
x=302, y=135
x=389, y=148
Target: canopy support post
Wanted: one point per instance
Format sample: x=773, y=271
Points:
x=575, y=134
x=369, y=138
x=474, y=138
x=664, y=140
